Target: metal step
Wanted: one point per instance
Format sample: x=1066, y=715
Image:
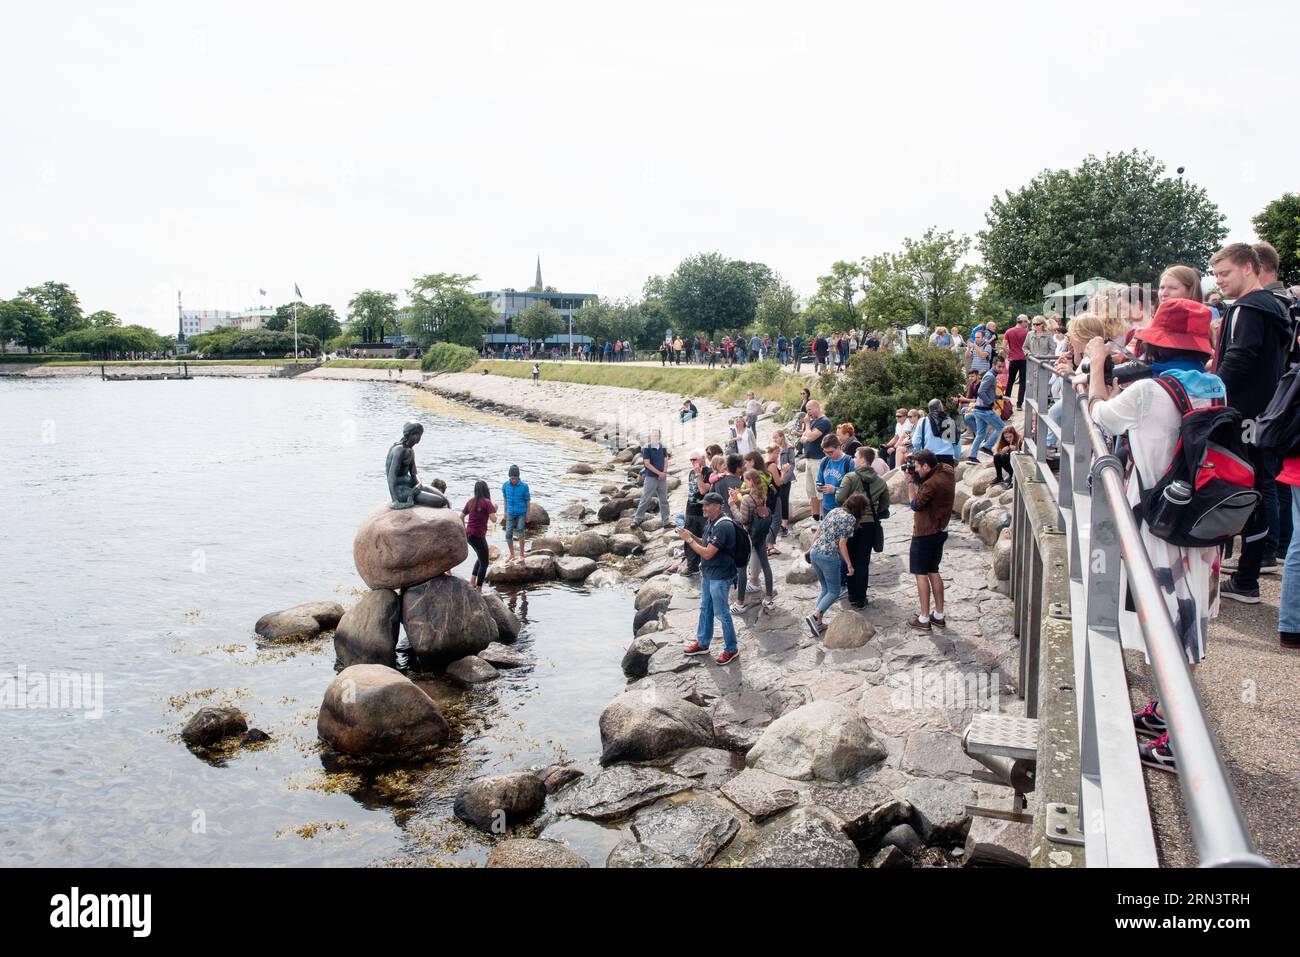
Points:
x=1003, y=735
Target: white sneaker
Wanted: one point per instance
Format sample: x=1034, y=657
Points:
x=737, y=609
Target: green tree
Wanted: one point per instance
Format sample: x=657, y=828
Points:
x=941, y=255
x=836, y=304
x=1120, y=217
x=877, y=382
x=596, y=319
x=110, y=342
x=319, y=320
x=538, y=322
x=283, y=318
x=103, y=318
x=1279, y=224
x=371, y=314
x=708, y=292
x=778, y=308
x=444, y=310
x=26, y=323
x=889, y=295
x=60, y=303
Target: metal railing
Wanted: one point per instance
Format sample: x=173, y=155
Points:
x=1105, y=552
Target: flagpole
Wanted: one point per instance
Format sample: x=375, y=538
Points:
x=295, y=331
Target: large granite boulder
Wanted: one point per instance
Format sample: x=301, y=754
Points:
x=446, y=619
x=611, y=510
x=687, y=834
x=822, y=741
x=636, y=660
x=547, y=543
x=800, y=572
x=991, y=524
x=896, y=481
x=534, y=568
x=299, y=623
x=572, y=569
x=653, y=590
x=588, y=544
x=803, y=837
x=397, y=547
x=624, y=544
x=498, y=803
x=617, y=791
x=643, y=726
x=536, y=516
x=1002, y=555
x=649, y=613
x=508, y=626
x=367, y=633
x=533, y=852
x=472, y=670
x=374, y=710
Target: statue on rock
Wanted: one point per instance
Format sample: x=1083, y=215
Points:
x=403, y=483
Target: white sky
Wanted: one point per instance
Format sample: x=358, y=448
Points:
x=221, y=148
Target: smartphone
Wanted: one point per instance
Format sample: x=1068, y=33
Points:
x=681, y=521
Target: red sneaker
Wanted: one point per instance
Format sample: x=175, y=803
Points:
x=727, y=657
x=694, y=649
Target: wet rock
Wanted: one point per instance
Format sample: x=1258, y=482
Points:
x=709, y=768
x=254, y=736
x=508, y=626
x=547, y=543
x=649, y=613
x=536, y=516
x=642, y=727
x=372, y=709
x=690, y=833
x=446, y=619
x=994, y=843
x=499, y=656
x=649, y=628
x=636, y=660
x=890, y=857
x=654, y=590
x=903, y=837
x=848, y=629
x=556, y=776
x=611, y=510
x=572, y=569
x=532, y=852
x=534, y=568
x=367, y=633
x=604, y=578
x=760, y=794
x=617, y=791
x=803, y=837
x=498, y=803
x=472, y=670
x=299, y=623
x=587, y=544
x=800, y=572
x=633, y=854
x=581, y=468
x=573, y=510
x=624, y=544
x=212, y=725
x=395, y=548
x=823, y=740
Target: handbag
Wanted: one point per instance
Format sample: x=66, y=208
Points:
x=877, y=530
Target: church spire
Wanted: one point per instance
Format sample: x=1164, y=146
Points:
x=537, y=283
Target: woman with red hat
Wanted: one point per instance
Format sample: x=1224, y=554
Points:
x=1176, y=344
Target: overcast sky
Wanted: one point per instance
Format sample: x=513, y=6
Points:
x=222, y=148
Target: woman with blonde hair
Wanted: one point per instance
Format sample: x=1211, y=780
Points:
x=752, y=507
x=1180, y=282
x=1079, y=331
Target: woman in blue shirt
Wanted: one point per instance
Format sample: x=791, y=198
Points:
x=937, y=432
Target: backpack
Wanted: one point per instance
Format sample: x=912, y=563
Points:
x=1277, y=430
x=1002, y=406
x=739, y=551
x=1207, y=493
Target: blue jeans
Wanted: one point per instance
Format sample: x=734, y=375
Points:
x=829, y=569
x=1288, y=606
x=515, y=528
x=984, y=422
x=713, y=604
x=1054, y=413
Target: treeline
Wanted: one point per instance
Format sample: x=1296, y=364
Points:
x=49, y=316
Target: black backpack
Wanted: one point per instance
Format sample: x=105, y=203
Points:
x=1207, y=493
x=1277, y=430
x=740, y=550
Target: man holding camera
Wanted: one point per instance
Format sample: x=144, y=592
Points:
x=930, y=494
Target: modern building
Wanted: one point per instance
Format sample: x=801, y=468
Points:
x=198, y=321
x=508, y=303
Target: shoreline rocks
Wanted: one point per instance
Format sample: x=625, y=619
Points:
x=299, y=623
x=396, y=548
x=375, y=710
x=446, y=619
x=367, y=633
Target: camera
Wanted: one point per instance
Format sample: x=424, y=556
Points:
x=1124, y=373
x=909, y=465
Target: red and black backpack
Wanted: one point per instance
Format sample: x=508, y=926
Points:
x=1210, y=459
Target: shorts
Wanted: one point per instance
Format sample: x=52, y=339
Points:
x=926, y=553
x=515, y=527
x=810, y=479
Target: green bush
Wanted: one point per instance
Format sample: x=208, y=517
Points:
x=251, y=343
x=448, y=357
x=42, y=357
x=876, y=383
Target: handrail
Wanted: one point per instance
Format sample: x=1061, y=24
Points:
x=1103, y=535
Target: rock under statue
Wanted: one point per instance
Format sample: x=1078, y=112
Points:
x=403, y=483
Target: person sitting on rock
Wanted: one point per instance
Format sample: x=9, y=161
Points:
x=403, y=482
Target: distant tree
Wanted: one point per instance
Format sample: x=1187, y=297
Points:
x=835, y=304
x=941, y=255
x=444, y=310
x=319, y=320
x=103, y=318
x=60, y=303
x=283, y=318
x=778, y=308
x=1120, y=217
x=371, y=314
x=25, y=322
x=538, y=322
x=708, y=292
x=110, y=342
x=1279, y=224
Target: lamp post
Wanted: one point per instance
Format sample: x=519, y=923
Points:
x=929, y=278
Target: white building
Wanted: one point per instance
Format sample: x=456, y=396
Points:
x=198, y=321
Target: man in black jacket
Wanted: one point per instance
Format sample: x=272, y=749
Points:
x=1250, y=358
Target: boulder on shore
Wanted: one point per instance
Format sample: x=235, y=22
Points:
x=641, y=726
x=446, y=619
x=375, y=710
x=212, y=725
x=653, y=590
x=367, y=633
x=574, y=569
x=547, y=543
x=472, y=670
x=588, y=544
x=299, y=623
x=508, y=626
x=534, y=568
x=536, y=516
x=533, y=852
x=397, y=547
x=497, y=803
x=822, y=741
x=611, y=510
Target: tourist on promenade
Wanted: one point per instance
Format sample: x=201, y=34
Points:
x=1279, y=515
x=863, y=480
x=1081, y=330
x=796, y=345
x=712, y=350
x=743, y=436
x=537, y=373
x=810, y=441
x=689, y=411
x=654, y=475
x=663, y=354
x=752, y=408
x=516, y=496
x=1177, y=345
x=1015, y=340
x=782, y=349
x=982, y=419
x=476, y=514
x=1254, y=342
x=1008, y=442
x=938, y=433
x=831, y=559
x=1039, y=344
x=783, y=455
x=940, y=338
x=715, y=546
x=929, y=494
x=753, y=509
x=830, y=471
x=820, y=349
x=979, y=352
x=677, y=351
x=698, y=486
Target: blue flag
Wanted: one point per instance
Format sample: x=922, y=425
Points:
x=296, y=291
x=261, y=292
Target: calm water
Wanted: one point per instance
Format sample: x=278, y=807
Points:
x=147, y=525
